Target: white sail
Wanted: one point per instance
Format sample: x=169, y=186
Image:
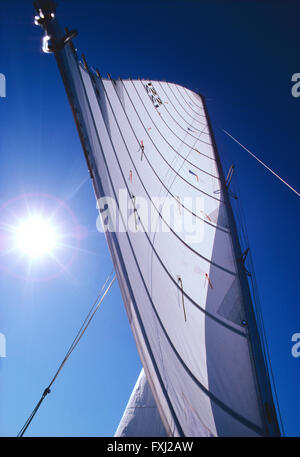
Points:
x=197, y=358
x=141, y=417
x=181, y=284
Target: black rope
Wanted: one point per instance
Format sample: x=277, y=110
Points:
x=76, y=340
x=27, y=423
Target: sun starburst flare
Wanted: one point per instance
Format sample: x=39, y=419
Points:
x=36, y=237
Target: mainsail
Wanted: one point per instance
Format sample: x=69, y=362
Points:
x=178, y=262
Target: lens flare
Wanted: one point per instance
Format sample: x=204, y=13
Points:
x=36, y=237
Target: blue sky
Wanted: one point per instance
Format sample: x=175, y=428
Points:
x=241, y=56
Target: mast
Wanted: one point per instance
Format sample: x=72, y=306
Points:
x=169, y=340
x=55, y=41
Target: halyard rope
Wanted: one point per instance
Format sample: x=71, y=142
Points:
x=76, y=340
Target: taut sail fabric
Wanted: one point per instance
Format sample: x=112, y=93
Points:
x=182, y=293
x=141, y=417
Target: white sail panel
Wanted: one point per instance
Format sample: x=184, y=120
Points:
x=141, y=416
x=198, y=385
x=183, y=102
x=186, y=119
x=168, y=126
x=164, y=154
x=168, y=129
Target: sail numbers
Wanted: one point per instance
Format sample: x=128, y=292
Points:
x=153, y=94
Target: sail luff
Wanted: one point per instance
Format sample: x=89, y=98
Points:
x=174, y=428
x=64, y=56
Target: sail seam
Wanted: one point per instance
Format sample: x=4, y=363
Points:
x=169, y=144
x=186, y=101
x=169, y=82
x=240, y=418
x=180, y=139
x=193, y=101
x=161, y=217
x=180, y=176
x=179, y=103
x=192, y=148
x=182, y=128
x=221, y=322
x=129, y=288
x=207, y=222
x=202, y=387
x=190, y=123
x=185, y=159
x=169, y=128
x=234, y=414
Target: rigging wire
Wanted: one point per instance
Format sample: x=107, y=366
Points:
x=80, y=333
x=255, y=296
x=244, y=240
x=262, y=163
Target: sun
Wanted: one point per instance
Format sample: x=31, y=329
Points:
x=36, y=237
